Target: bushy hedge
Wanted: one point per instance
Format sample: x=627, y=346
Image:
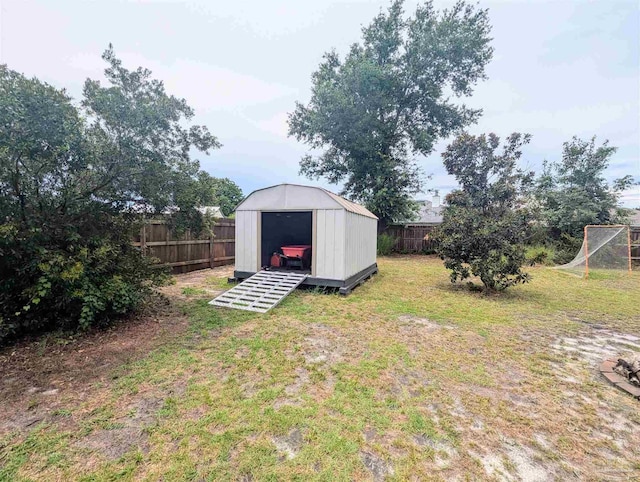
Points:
x=71, y=277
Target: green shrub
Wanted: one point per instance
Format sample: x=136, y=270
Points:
x=62, y=279
x=566, y=248
x=485, y=221
x=543, y=255
x=386, y=242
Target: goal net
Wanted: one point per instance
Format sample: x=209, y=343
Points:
x=605, y=249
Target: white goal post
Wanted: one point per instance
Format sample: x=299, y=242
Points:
x=604, y=247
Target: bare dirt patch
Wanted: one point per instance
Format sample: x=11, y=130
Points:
x=143, y=411
x=596, y=345
x=424, y=323
x=514, y=463
x=289, y=445
x=40, y=376
x=322, y=345
x=113, y=444
x=196, y=413
x=302, y=378
x=377, y=466
x=127, y=433
x=199, y=283
x=445, y=453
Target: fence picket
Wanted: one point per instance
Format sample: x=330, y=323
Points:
x=183, y=253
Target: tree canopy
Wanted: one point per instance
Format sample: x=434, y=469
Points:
x=69, y=178
x=485, y=222
x=574, y=192
x=389, y=100
x=225, y=193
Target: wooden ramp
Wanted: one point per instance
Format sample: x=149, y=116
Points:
x=260, y=292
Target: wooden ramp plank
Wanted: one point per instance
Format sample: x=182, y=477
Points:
x=260, y=292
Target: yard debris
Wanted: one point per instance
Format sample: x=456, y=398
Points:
x=623, y=374
x=629, y=370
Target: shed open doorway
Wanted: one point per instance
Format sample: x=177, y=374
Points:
x=287, y=228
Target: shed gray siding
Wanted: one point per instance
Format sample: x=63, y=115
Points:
x=247, y=240
x=330, y=244
x=361, y=241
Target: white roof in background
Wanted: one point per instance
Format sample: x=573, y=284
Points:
x=292, y=197
x=634, y=219
x=214, y=211
x=428, y=214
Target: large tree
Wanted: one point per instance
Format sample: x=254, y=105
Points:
x=574, y=192
x=485, y=222
x=389, y=100
x=70, y=179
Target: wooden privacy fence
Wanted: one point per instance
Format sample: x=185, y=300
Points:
x=188, y=253
x=413, y=238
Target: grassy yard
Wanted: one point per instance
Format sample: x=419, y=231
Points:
x=409, y=377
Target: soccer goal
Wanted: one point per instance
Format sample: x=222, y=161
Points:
x=605, y=249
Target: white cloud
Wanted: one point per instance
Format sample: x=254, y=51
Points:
x=206, y=87
x=276, y=125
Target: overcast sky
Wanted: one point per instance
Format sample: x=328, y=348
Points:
x=560, y=68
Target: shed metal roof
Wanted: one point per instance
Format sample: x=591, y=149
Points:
x=350, y=205
x=339, y=200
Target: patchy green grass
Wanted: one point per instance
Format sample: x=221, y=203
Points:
x=409, y=376
x=191, y=291
x=217, y=282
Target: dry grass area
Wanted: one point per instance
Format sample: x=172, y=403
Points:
x=408, y=378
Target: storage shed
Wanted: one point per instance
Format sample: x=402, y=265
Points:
x=342, y=235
